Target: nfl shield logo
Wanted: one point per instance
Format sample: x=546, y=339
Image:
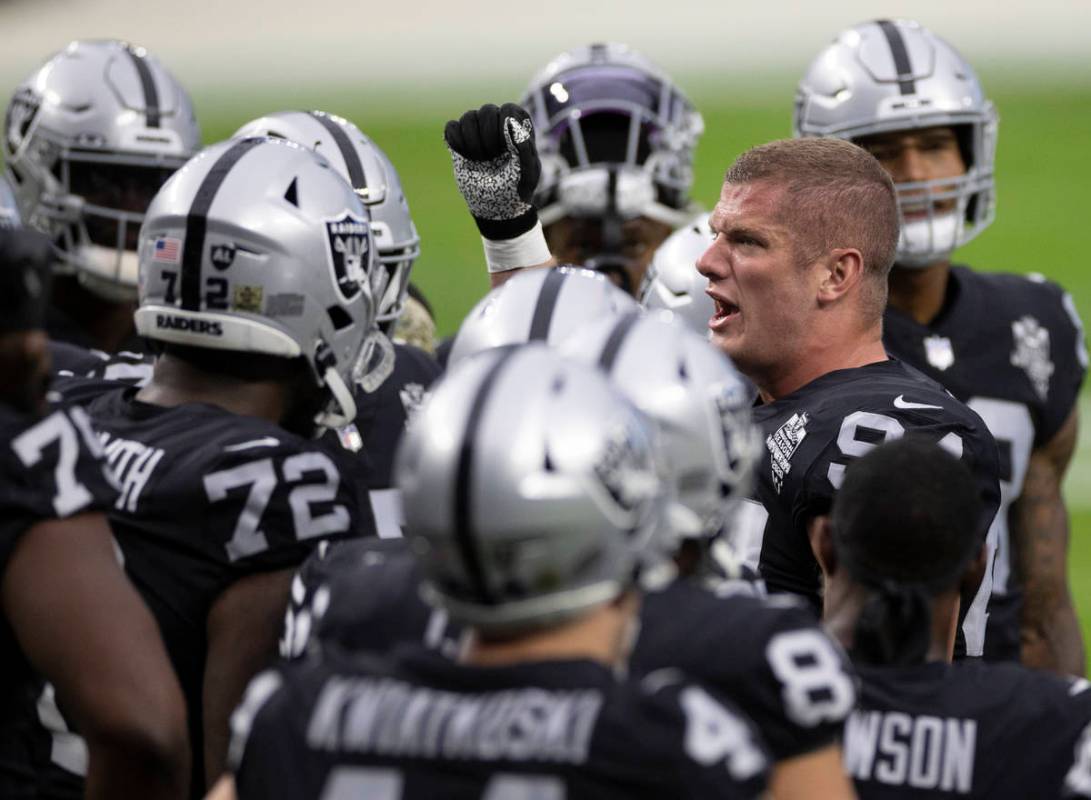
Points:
x=939, y=352
x=349, y=238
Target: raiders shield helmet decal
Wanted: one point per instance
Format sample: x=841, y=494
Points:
x=349, y=240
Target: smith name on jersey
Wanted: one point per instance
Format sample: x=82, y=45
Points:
x=969, y=730
x=767, y=654
x=208, y=497
x=1012, y=349
x=50, y=467
x=419, y=726
x=812, y=434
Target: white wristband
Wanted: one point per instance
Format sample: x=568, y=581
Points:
x=525, y=250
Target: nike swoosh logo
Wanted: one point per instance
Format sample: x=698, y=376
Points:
x=901, y=402
x=267, y=441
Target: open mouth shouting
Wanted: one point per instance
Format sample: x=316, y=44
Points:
x=725, y=311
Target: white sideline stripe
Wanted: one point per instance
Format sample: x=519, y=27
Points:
x=1077, y=484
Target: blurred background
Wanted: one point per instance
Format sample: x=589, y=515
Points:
x=400, y=70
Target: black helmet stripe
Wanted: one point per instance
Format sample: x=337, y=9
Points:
x=547, y=302
x=616, y=339
x=352, y=159
x=147, y=83
x=906, y=84
x=193, y=245
x=464, y=535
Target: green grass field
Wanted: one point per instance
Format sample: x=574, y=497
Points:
x=1043, y=173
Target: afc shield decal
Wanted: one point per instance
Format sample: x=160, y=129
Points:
x=348, y=240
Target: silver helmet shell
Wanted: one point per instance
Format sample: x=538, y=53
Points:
x=9, y=210
x=88, y=139
x=531, y=490
x=699, y=403
x=538, y=305
x=259, y=246
x=672, y=281
x=642, y=166
x=896, y=75
x=370, y=172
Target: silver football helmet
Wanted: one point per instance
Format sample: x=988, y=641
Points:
x=259, y=246
x=699, y=403
x=88, y=140
x=615, y=135
x=9, y=210
x=896, y=75
x=364, y=165
x=672, y=281
x=525, y=518
x=538, y=305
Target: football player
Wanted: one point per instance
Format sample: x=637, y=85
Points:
x=362, y=596
x=89, y=137
x=616, y=138
x=254, y=265
x=537, y=550
x=71, y=616
x=1010, y=347
x=926, y=727
x=396, y=387
x=806, y=231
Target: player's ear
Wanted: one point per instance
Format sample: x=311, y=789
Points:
x=820, y=534
x=842, y=271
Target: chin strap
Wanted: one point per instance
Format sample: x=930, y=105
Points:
x=345, y=412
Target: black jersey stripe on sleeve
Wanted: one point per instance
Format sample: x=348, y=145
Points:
x=898, y=51
x=197, y=220
x=147, y=85
x=355, y=167
x=547, y=302
x=464, y=523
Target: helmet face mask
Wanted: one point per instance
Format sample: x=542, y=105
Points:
x=283, y=254
x=88, y=140
x=616, y=139
x=372, y=175
x=892, y=76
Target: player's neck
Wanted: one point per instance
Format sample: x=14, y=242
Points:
x=844, y=602
x=175, y=382
x=603, y=634
x=106, y=323
x=919, y=292
x=825, y=354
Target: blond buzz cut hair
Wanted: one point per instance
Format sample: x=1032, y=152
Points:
x=836, y=196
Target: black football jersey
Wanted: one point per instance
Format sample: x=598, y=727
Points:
x=381, y=417
x=813, y=433
x=207, y=497
x=767, y=654
x=1011, y=348
x=971, y=729
x=418, y=726
x=50, y=467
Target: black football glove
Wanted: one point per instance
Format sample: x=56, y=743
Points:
x=496, y=168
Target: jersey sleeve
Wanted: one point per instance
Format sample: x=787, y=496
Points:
x=52, y=468
x=270, y=506
x=794, y=681
x=1068, y=353
x=720, y=752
